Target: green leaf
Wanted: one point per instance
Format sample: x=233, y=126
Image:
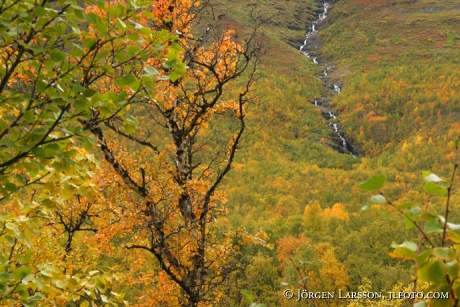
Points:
x=5, y=193
x=456, y=286
x=10, y=240
x=433, y=226
x=10, y=187
x=88, y=142
x=24, y=240
x=89, y=92
x=453, y=268
x=432, y=188
x=131, y=119
x=151, y=71
x=101, y=27
x=29, y=115
x=421, y=304
x=410, y=245
x=49, y=64
x=76, y=30
x=57, y=56
x=5, y=276
x=437, y=271
x=36, y=297
x=39, y=132
x=172, y=55
x=409, y=223
x=121, y=56
x=180, y=69
x=404, y=206
x=132, y=50
x=444, y=288
x=374, y=183
x=423, y=257
x=89, y=43
x=53, y=147
x=91, y=18
x=32, y=301
x=39, y=11
x=247, y=295
x=130, y=129
x=174, y=76
x=4, y=289
x=78, y=88
x=443, y=253
x=455, y=237
x=79, y=13
x=4, y=216
x=22, y=291
x=123, y=25
x=39, y=152
x=376, y=199
x=8, y=142
x=11, y=226
x=136, y=85
x=432, y=271
x=21, y=272
x=128, y=79
x=134, y=37
x=177, y=47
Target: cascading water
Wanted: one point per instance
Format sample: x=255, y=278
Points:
x=342, y=144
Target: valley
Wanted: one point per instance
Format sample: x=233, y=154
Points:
x=230, y=153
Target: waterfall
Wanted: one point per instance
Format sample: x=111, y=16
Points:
x=343, y=145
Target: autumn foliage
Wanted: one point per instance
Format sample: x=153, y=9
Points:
x=105, y=76
x=147, y=158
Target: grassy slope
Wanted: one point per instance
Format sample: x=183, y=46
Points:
x=402, y=57
x=395, y=61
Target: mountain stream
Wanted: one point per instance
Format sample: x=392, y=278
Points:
x=311, y=49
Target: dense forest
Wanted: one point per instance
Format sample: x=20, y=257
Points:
x=189, y=153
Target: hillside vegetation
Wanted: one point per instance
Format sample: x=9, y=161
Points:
x=149, y=158
x=397, y=61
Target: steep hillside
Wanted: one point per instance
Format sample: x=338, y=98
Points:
x=399, y=62
x=396, y=62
